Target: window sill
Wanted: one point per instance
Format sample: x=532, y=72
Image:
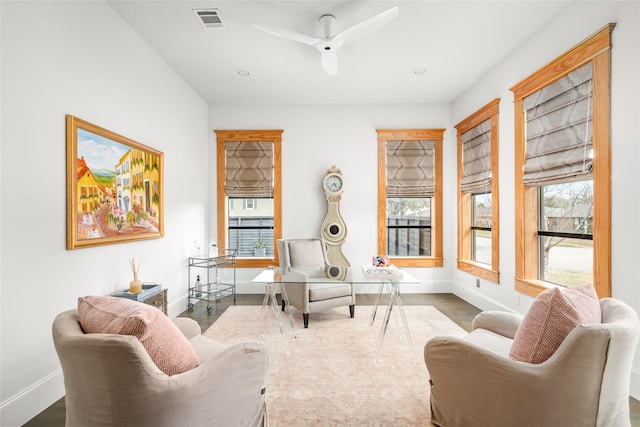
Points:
x=256, y=262
x=417, y=261
x=479, y=270
x=531, y=287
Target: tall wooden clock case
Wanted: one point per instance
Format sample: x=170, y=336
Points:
x=334, y=229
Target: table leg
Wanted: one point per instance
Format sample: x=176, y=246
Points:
x=270, y=302
x=394, y=300
x=265, y=306
x=276, y=308
x=285, y=298
x=375, y=307
x=404, y=321
x=403, y=317
x=385, y=323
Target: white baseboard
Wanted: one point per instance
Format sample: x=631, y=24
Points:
x=20, y=408
x=177, y=306
x=476, y=299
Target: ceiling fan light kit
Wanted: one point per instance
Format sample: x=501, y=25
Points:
x=329, y=45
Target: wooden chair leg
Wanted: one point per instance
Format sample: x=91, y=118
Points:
x=305, y=318
x=352, y=309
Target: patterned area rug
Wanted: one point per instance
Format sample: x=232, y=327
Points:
x=328, y=375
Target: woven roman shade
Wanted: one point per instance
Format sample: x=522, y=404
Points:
x=410, y=168
x=559, y=130
x=249, y=169
x=476, y=159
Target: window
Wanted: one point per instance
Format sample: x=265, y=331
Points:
x=565, y=233
x=410, y=196
x=481, y=228
x=478, y=202
x=249, y=194
x=250, y=204
x=562, y=163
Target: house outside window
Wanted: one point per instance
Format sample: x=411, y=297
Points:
x=249, y=194
x=562, y=164
x=410, y=196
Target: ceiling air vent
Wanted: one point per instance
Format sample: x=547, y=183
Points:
x=209, y=18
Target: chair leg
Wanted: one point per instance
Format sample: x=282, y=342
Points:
x=283, y=305
x=305, y=318
x=352, y=309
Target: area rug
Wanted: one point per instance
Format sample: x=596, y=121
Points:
x=328, y=374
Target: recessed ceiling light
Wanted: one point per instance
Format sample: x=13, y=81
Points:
x=420, y=71
x=243, y=73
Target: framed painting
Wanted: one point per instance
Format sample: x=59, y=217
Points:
x=114, y=187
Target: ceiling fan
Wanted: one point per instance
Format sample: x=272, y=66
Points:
x=329, y=45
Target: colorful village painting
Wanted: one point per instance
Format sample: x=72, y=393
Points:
x=117, y=190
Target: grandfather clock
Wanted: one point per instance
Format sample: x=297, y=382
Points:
x=334, y=230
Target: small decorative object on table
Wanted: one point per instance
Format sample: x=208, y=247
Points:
x=380, y=261
x=135, y=286
x=198, y=286
x=388, y=273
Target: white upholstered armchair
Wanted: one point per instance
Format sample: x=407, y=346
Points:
x=111, y=380
x=585, y=382
x=311, y=283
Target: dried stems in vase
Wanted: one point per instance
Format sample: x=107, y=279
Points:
x=135, y=287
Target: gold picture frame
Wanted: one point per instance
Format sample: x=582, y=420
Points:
x=114, y=187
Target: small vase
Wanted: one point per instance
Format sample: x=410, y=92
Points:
x=135, y=286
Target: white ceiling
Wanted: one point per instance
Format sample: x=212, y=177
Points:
x=456, y=42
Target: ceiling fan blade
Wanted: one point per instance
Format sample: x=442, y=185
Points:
x=369, y=25
x=329, y=62
x=291, y=35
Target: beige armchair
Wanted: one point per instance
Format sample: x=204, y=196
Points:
x=584, y=383
x=311, y=283
x=110, y=380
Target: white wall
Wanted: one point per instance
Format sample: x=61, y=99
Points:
x=318, y=137
x=573, y=25
x=80, y=58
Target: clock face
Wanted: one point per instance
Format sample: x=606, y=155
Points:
x=333, y=183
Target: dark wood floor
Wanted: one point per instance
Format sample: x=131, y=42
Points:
x=453, y=307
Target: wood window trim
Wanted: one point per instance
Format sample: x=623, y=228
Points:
x=597, y=50
x=274, y=136
x=464, y=262
x=384, y=135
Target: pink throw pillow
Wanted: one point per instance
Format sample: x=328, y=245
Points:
x=553, y=314
x=166, y=344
